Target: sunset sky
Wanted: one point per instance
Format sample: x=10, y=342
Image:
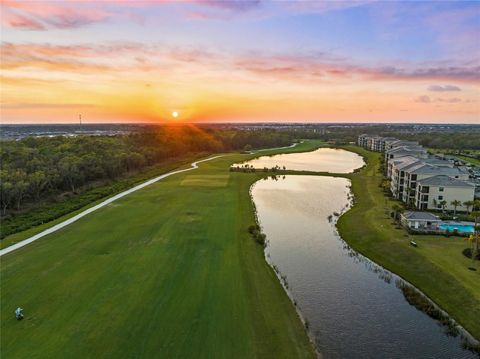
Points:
x=221, y=61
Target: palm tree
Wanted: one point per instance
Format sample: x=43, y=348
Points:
x=474, y=237
x=385, y=185
x=468, y=205
x=443, y=204
x=476, y=205
x=455, y=203
x=397, y=209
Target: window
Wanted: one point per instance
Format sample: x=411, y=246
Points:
x=440, y=189
x=440, y=198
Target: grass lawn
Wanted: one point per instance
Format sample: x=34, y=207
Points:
x=42, y=216
x=437, y=266
x=473, y=161
x=169, y=271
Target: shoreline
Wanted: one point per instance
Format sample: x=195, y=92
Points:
x=463, y=333
x=280, y=279
x=344, y=235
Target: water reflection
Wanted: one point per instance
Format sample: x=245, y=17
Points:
x=321, y=160
x=353, y=307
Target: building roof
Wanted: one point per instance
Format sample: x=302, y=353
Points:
x=405, y=165
x=435, y=170
x=438, y=162
x=399, y=160
x=404, y=143
x=421, y=216
x=406, y=149
x=442, y=180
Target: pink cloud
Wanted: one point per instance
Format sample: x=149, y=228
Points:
x=423, y=99
x=289, y=67
x=42, y=15
x=299, y=67
x=13, y=20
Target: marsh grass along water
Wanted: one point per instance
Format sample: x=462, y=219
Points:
x=321, y=160
x=354, y=308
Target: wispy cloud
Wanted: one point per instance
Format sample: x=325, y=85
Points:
x=17, y=21
x=428, y=99
x=321, y=65
x=443, y=88
x=232, y=5
x=34, y=15
x=47, y=105
x=423, y=99
x=449, y=100
x=315, y=66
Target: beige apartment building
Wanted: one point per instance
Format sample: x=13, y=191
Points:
x=433, y=190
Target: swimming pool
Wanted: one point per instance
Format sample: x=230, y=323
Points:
x=457, y=227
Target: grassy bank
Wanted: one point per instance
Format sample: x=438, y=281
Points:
x=168, y=271
x=437, y=266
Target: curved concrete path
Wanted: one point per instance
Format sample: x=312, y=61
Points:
x=98, y=206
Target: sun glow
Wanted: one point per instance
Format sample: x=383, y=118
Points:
x=174, y=114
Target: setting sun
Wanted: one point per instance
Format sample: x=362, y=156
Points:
x=174, y=114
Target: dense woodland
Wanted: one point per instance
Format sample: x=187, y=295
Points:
x=36, y=168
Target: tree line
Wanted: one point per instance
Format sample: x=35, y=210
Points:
x=458, y=139
x=37, y=168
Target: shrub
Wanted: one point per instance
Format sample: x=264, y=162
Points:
x=253, y=228
x=257, y=235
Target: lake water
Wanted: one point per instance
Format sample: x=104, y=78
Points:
x=354, y=308
x=321, y=160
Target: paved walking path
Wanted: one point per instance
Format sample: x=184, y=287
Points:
x=98, y=206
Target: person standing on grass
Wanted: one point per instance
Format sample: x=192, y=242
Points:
x=18, y=313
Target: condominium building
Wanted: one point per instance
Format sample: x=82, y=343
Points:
x=420, y=179
x=438, y=192
x=374, y=143
x=397, y=152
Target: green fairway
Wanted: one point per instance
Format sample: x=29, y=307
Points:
x=437, y=266
x=205, y=180
x=169, y=271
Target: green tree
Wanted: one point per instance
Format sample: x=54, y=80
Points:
x=474, y=238
x=455, y=203
x=37, y=180
x=6, y=191
x=20, y=187
x=443, y=204
x=70, y=170
x=397, y=210
x=468, y=205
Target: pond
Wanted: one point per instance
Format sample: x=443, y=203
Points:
x=354, y=308
x=321, y=160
